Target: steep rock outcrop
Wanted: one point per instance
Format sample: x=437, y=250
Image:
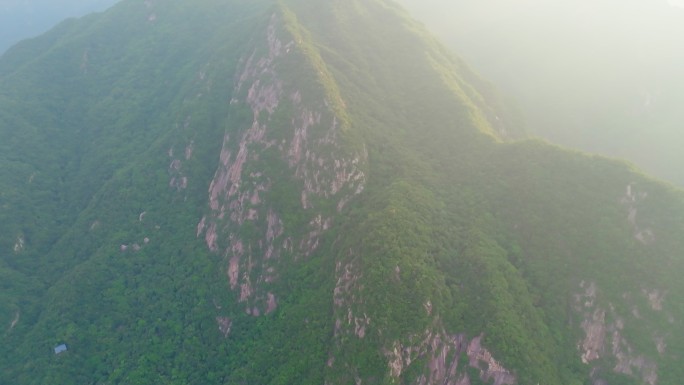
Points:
x=605, y=346
x=282, y=173
x=439, y=356
x=443, y=353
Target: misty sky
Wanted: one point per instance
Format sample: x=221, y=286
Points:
x=603, y=76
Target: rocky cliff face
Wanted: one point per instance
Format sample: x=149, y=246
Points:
x=606, y=347
x=439, y=357
x=283, y=172
x=443, y=354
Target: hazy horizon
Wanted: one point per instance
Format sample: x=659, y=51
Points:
x=601, y=76
x=24, y=19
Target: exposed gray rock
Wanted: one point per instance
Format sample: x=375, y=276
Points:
x=309, y=147
x=598, y=332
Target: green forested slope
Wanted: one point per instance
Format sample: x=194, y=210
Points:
x=309, y=192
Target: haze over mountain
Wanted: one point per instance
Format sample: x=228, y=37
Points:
x=21, y=19
x=602, y=76
x=311, y=192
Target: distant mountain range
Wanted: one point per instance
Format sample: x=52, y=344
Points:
x=21, y=19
